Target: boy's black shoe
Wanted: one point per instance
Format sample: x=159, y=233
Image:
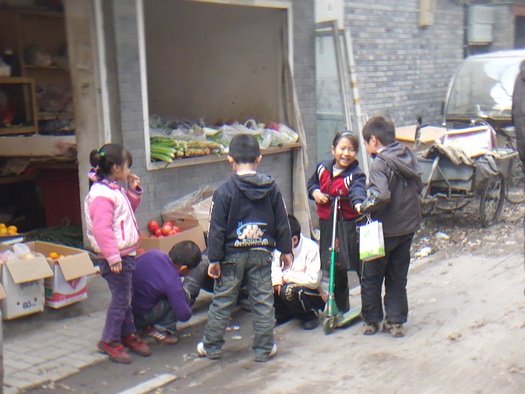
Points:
x=262, y=358
x=310, y=321
x=310, y=324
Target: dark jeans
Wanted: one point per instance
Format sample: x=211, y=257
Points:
x=347, y=258
x=254, y=268
x=393, y=270
x=119, y=319
x=161, y=317
x=296, y=301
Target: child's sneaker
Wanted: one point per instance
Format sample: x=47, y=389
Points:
x=115, y=352
x=165, y=338
x=262, y=358
x=396, y=330
x=136, y=345
x=202, y=352
x=370, y=328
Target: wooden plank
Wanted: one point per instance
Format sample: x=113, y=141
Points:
x=40, y=13
x=17, y=130
x=428, y=134
x=16, y=80
x=50, y=68
x=54, y=116
x=210, y=159
x=36, y=145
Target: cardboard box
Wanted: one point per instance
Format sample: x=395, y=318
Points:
x=23, y=282
x=69, y=283
x=191, y=231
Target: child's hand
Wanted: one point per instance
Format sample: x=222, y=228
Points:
x=214, y=270
x=133, y=182
x=358, y=208
x=324, y=296
x=116, y=268
x=286, y=260
x=320, y=198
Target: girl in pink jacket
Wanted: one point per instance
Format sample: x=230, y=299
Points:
x=113, y=233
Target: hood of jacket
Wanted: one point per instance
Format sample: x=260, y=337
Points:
x=254, y=187
x=402, y=158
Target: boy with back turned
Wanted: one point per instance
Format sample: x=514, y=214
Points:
x=248, y=222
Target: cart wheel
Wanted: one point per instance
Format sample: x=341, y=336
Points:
x=492, y=198
x=515, y=193
x=329, y=325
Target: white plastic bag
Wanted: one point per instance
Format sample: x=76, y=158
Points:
x=371, y=241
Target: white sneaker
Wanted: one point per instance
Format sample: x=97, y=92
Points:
x=273, y=353
x=200, y=350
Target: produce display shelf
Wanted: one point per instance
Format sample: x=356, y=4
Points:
x=210, y=159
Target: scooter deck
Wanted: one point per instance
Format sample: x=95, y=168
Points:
x=352, y=316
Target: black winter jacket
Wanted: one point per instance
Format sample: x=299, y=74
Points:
x=393, y=190
x=248, y=212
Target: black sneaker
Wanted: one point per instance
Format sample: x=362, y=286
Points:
x=310, y=321
x=262, y=358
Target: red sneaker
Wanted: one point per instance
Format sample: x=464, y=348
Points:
x=115, y=351
x=136, y=345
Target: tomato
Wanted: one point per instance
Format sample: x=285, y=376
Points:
x=166, y=229
x=158, y=232
x=176, y=229
x=169, y=222
x=173, y=231
x=153, y=226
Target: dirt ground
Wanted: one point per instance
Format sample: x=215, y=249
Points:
x=461, y=232
x=465, y=333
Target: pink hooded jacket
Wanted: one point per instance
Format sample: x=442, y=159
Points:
x=111, y=226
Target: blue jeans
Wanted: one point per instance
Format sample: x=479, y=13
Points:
x=161, y=317
x=253, y=269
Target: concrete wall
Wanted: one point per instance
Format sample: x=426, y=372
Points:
x=214, y=76
x=403, y=70
x=163, y=186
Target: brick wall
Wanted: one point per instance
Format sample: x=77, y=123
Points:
x=403, y=71
x=503, y=29
x=163, y=186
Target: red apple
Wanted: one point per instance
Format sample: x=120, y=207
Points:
x=176, y=229
x=153, y=226
x=166, y=229
x=173, y=232
x=158, y=233
x=169, y=222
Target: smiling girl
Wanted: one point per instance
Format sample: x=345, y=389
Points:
x=339, y=176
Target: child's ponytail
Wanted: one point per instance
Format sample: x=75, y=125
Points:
x=103, y=159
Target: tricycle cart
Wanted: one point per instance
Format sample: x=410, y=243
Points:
x=456, y=174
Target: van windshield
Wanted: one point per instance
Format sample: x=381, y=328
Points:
x=483, y=88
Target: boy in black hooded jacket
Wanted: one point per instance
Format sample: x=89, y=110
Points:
x=248, y=222
x=393, y=198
